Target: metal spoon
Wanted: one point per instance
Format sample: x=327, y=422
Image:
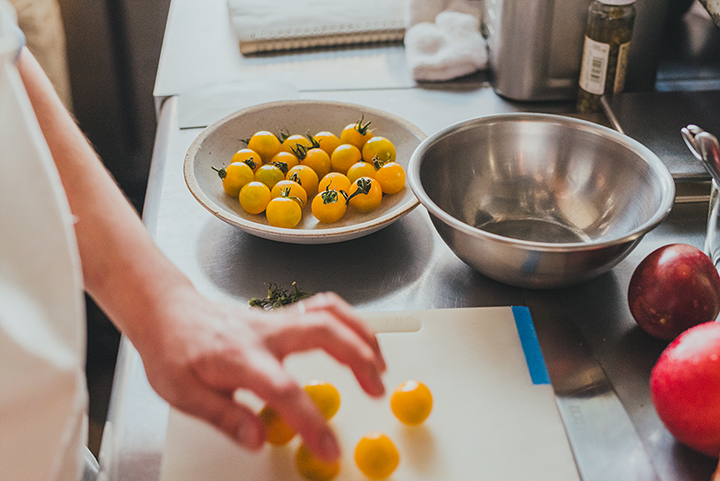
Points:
x=706, y=148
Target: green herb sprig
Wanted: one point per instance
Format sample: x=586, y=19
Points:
x=278, y=297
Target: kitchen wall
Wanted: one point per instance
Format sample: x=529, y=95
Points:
x=113, y=49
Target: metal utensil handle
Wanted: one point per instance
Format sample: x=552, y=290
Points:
x=688, y=135
x=705, y=148
x=709, y=149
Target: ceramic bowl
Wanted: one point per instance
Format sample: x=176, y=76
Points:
x=215, y=146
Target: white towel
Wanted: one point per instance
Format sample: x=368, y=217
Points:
x=448, y=48
x=417, y=11
x=472, y=7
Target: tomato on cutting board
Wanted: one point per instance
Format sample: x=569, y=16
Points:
x=411, y=402
x=376, y=455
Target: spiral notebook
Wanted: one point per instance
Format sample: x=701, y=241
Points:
x=266, y=26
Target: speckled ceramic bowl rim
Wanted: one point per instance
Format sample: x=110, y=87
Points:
x=298, y=236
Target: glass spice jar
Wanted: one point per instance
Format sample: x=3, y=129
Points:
x=605, y=52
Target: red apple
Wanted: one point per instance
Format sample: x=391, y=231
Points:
x=672, y=289
x=685, y=388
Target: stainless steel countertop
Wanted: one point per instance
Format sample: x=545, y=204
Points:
x=404, y=266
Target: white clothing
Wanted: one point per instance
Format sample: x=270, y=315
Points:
x=43, y=396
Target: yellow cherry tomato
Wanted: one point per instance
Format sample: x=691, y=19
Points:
x=306, y=177
x=325, y=395
x=249, y=157
x=365, y=194
x=328, y=206
x=277, y=431
x=265, y=143
x=391, y=177
x=291, y=143
x=378, y=148
x=360, y=169
x=334, y=180
x=344, y=156
x=269, y=175
x=317, y=159
x=296, y=190
x=327, y=140
x=234, y=177
x=290, y=160
x=254, y=197
x=356, y=134
x=283, y=211
x=411, y=402
x=314, y=468
x=376, y=455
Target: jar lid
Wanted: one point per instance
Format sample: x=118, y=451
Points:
x=617, y=2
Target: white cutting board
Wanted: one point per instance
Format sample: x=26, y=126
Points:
x=489, y=420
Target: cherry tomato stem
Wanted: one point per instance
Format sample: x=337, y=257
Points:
x=363, y=187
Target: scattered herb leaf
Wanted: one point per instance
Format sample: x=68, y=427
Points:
x=278, y=297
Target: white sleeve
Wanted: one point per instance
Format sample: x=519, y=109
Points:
x=43, y=397
x=12, y=39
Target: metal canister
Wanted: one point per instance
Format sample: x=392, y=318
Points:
x=535, y=47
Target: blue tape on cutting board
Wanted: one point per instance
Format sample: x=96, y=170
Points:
x=530, y=345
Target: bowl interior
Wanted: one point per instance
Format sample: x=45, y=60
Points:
x=217, y=144
x=545, y=181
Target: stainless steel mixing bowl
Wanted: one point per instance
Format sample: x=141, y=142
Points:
x=539, y=201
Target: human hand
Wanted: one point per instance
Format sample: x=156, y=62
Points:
x=203, y=352
x=196, y=353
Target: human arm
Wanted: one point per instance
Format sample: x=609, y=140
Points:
x=196, y=352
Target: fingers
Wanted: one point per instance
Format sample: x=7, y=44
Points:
x=241, y=349
x=266, y=376
x=235, y=420
x=273, y=383
x=344, y=312
x=319, y=328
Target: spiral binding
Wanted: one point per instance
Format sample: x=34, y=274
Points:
x=325, y=36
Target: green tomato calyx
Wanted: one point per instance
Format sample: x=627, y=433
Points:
x=282, y=135
x=362, y=129
x=377, y=162
x=282, y=166
x=363, y=184
x=295, y=178
x=329, y=196
x=300, y=151
x=222, y=173
x=285, y=194
x=313, y=141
